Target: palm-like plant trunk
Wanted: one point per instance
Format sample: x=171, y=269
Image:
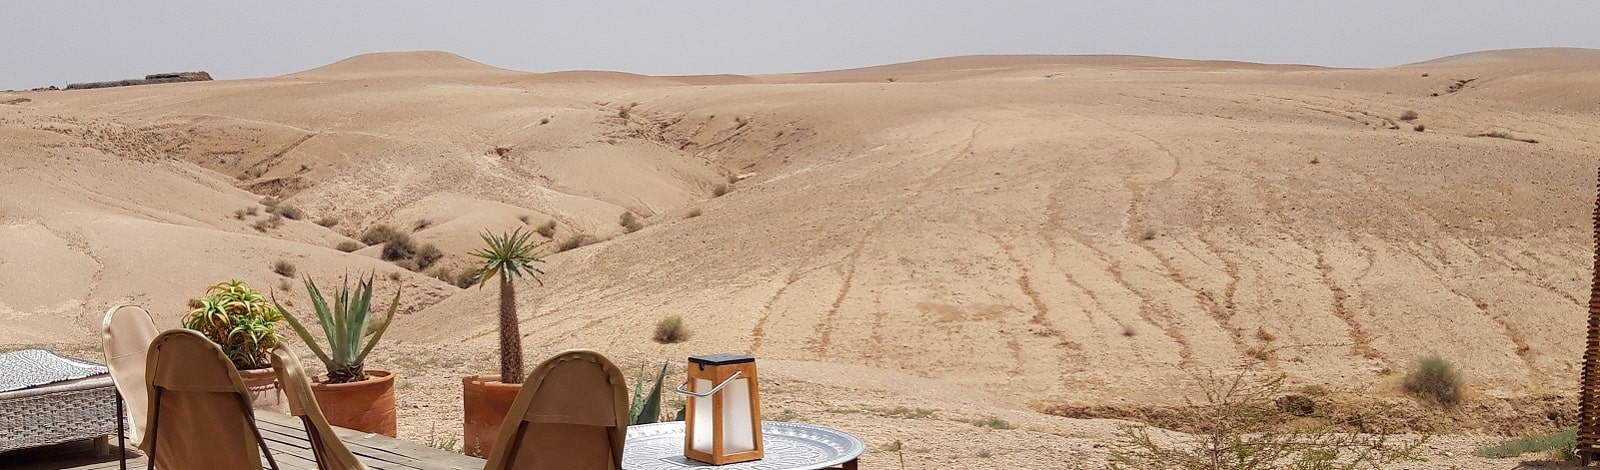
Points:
x=1588, y=446
x=510, y=338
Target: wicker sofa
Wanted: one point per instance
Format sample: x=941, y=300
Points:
x=59, y=412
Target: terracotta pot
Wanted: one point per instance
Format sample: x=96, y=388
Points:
x=367, y=405
x=485, y=402
x=264, y=391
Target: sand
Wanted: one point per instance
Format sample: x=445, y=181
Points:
x=906, y=248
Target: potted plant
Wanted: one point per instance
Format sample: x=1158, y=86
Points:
x=349, y=394
x=485, y=398
x=241, y=321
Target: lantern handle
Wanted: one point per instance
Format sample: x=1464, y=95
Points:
x=714, y=390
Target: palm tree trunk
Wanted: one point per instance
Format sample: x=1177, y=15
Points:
x=1588, y=446
x=510, y=338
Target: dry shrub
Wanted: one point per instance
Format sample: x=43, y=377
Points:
x=548, y=229
x=239, y=214
x=291, y=212
x=349, y=246
x=720, y=190
x=283, y=268
x=692, y=213
x=524, y=218
x=443, y=274
x=574, y=242
x=1434, y=379
x=671, y=330
x=421, y=224
x=1409, y=115
x=399, y=247
x=328, y=221
x=428, y=254
x=268, y=223
x=1419, y=128
x=467, y=279
x=630, y=222
x=380, y=234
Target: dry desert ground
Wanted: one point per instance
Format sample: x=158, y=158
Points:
x=996, y=261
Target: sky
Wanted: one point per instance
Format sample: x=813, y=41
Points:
x=57, y=42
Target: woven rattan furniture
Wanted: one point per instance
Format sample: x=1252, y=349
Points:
x=59, y=412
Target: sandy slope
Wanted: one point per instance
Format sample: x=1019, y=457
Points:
x=980, y=236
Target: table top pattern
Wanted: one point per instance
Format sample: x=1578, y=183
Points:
x=789, y=446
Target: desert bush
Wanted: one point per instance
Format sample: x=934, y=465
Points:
x=328, y=221
x=1434, y=379
x=239, y=214
x=421, y=224
x=692, y=213
x=467, y=279
x=1419, y=128
x=283, y=268
x=720, y=190
x=394, y=275
x=543, y=121
x=1409, y=115
x=268, y=223
x=250, y=210
x=548, y=229
x=630, y=222
x=991, y=423
x=1239, y=429
x=427, y=254
x=671, y=330
x=574, y=242
x=380, y=234
x=349, y=246
x=443, y=274
x=524, y=218
x=291, y=212
x=399, y=247
x=271, y=203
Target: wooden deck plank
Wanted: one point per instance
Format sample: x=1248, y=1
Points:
x=286, y=438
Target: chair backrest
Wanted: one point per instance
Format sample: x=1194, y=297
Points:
x=330, y=452
x=572, y=413
x=126, y=333
x=200, y=414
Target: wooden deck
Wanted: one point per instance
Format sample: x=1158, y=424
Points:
x=284, y=436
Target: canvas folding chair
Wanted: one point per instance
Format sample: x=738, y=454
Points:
x=199, y=410
x=330, y=452
x=572, y=413
x=125, y=335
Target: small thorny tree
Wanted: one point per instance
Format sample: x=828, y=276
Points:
x=508, y=256
x=1241, y=430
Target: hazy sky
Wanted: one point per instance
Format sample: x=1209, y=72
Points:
x=56, y=42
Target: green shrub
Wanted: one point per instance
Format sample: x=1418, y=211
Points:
x=1432, y=378
x=671, y=330
x=379, y=234
x=349, y=246
x=1560, y=445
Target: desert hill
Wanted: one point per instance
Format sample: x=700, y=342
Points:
x=981, y=236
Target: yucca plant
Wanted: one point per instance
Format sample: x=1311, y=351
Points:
x=240, y=320
x=508, y=256
x=346, y=325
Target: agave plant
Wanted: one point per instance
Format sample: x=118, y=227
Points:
x=508, y=256
x=240, y=320
x=346, y=325
x=645, y=408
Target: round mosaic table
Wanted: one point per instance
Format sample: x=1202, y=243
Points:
x=788, y=446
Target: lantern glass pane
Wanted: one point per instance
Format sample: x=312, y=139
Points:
x=737, y=435
x=701, y=440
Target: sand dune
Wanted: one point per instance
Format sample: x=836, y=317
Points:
x=982, y=236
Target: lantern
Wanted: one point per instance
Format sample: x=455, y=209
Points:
x=723, y=411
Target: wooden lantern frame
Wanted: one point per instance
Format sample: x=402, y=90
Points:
x=722, y=370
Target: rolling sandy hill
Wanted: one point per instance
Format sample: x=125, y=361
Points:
x=1027, y=238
